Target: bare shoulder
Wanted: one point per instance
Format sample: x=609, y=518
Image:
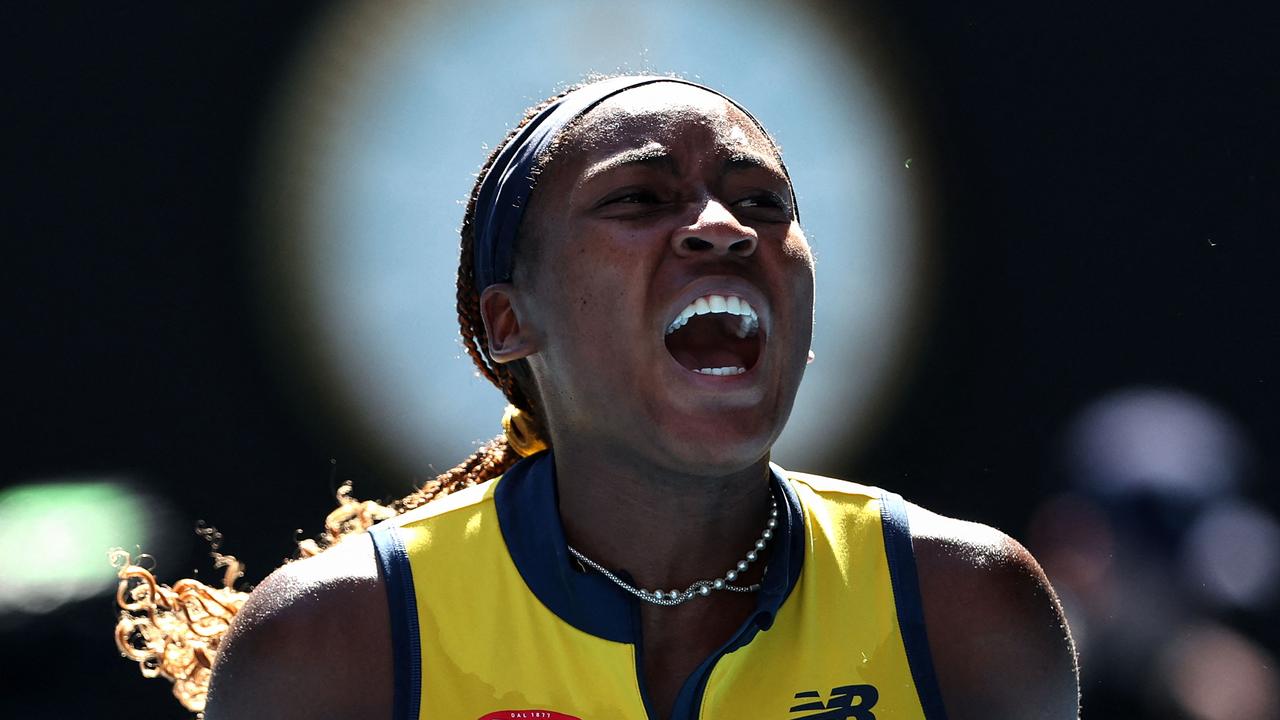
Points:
x=313, y=640
x=999, y=639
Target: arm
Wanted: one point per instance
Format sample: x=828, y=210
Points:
x=312, y=641
x=1000, y=642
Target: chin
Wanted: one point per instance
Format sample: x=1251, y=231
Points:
x=714, y=448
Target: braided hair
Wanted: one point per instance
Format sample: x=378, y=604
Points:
x=496, y=456
x=174, y=631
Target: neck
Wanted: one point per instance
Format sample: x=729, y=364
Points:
x=666, y=529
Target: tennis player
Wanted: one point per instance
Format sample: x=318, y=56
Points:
x=635, y=279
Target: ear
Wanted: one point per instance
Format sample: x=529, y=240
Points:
x=509, y=338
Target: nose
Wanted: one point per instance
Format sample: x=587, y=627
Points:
x=715, y=231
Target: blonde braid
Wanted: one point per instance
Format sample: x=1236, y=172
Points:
x=175, y=632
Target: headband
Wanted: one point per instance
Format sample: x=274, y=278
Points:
x=505, y=189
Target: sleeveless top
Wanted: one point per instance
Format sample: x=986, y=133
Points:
x=493, y=620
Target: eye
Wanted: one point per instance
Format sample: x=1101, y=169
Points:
x=765, y=200
x=768, y=205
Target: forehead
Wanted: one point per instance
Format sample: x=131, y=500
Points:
x=681, y=118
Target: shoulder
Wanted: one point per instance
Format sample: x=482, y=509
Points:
x=830, y=489
x=313, y=640
x=997, y=633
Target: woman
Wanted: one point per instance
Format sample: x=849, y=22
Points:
x=634, y=278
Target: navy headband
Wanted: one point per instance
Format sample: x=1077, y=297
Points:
x=505, y=189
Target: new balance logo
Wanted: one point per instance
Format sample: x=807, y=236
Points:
x=847, y=702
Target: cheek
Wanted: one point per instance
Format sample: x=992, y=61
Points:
x=797, y=251
x=592, y=291
x=799, y=262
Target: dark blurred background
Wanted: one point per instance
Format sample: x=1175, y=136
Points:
x=1095, y=373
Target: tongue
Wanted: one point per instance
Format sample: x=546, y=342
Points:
x=708, y=341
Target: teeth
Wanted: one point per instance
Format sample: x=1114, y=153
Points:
x=721, y=371
x=710, y=304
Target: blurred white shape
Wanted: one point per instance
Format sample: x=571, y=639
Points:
x=54, y=538
x=1161, y=440
x=1215, y=673
x=1233, y=554
x=389, y=120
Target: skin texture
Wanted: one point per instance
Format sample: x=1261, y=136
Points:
x=313, y=641
x=660, y=195
x=997, y=633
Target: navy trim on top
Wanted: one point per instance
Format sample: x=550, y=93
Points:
x=403, y=605
x=527, y=505
x=529, y=516
x=906, y=596
x=786, y=559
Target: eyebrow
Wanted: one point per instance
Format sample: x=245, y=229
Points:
x=741, y=160
x=658, y=157
x=652, y=155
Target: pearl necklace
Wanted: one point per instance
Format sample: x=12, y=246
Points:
x=700, y=588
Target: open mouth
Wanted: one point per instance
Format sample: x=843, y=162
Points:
x=716, y=335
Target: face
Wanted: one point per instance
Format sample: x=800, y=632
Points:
x=667, y=309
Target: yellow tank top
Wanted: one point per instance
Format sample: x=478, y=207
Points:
x=493, y=620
